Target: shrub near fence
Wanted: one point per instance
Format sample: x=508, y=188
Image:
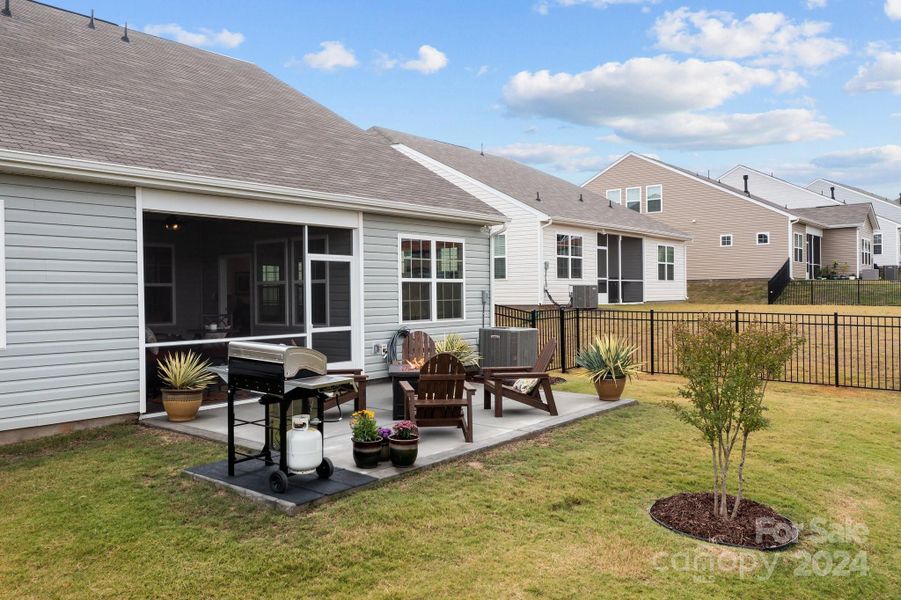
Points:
x=840, y=350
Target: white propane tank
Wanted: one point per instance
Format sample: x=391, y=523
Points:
x=304, y=445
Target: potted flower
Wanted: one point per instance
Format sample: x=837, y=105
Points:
x=403, y=445
x=384, y=433
x=184, y=376
x=366, y=439
x=610, y=361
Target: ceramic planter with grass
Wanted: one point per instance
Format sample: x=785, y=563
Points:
x=185, y=376
x=609, y=361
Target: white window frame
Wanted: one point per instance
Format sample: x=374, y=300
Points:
x=731, y=243
x=626, y=200
x=877, y=244
x=619, y=195
x=798, y=254
x=432, y=279
x=569, y=257
x=666, y=263
x=647, y=199
x=866, y=252
x=757, y=238
x=495, y=257
x=3, y=276
x=174, y=320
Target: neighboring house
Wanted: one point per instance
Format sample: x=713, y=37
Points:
x=888, y=240
x=736, y=234
x=559, y=235
x=156, y=197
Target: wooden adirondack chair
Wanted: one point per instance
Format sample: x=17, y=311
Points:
x=357, y=393
x=441, y=395
x=500, y=381
x=418, y=347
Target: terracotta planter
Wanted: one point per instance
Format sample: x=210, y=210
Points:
x=366, y=454
x=610, y=389
x=182, y=405
x=403, y=452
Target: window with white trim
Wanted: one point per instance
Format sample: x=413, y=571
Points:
x=799, y=247
x=763, y=238
x=569, y=256
x=431, y=279
x=615, y=196
x=271, y=282
x=633, y=198
x=877, y=243
x=866, y=254
x=666, y=263
x=2, y=279
x=500, y=256
x=726, y=240
x=159, y=284
x=654, y=195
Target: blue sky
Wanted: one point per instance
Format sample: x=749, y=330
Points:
x=802, y=88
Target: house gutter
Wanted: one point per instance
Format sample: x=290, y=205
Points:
x=42, y=165
x=595, y=225
x=493, y=232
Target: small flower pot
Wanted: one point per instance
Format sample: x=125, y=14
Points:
x=182, y=405
x=366, y=454
x=610, y=390
x=384, y=453
x=403, y=452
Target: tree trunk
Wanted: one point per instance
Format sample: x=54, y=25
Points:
x=741, y=474
x=716, y=478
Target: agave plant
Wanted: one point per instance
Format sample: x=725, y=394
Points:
x=185, y=371
x=609, y=357
x=453, y=343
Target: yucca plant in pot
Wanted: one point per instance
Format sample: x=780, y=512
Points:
x=185, y=375
x=609, y=361
x=455, y=344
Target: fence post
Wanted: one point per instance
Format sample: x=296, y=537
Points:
x=835, y=343
x=858, y=288
x=652, y=341
x=562, y=341
x=578, y=330
x=736, y=320
x=534, y=319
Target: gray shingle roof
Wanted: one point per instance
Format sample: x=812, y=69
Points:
x=559, y=198
x=834, y=215
x=71, y=91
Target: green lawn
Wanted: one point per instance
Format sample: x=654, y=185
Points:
x=107, y=514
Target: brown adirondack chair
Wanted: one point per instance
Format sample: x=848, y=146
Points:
x=500, y=381
x=441, y=395
x=418, y=347
x=357, y=393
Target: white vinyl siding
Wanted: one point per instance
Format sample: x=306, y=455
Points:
x=559, y=288
x=656, y=290
x=654, y=198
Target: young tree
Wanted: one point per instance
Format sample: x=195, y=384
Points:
x=727, y=373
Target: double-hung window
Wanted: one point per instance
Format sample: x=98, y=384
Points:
x=432, y=280
x=866, y=255
x=271, y=282
x=666, y=263
x=500, y=256
x=159, y=284
x=726, y=240
x=569, y=256
x=654, y=194
x=799, y=247
x=877, y=243
x=615, y=196
x=633, y=198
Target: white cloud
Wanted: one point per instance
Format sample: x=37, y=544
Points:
x=638, y=87
x=479, y=71
x=814, y=4
x=334, y=55
x=431, y=60
x=882, y=74
x=766, y=38
x=202, y=38
x=560, y=157
x=893, y=9
x=886, y=157
x=543, y=7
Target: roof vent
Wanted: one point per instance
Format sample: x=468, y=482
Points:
x=91, y=24
x=899, y=197
x=537, y=196
x=580, y=198
x=125, y=35
x=6, y=12
x=832, y=192
x=745, y=177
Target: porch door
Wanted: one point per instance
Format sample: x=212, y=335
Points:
x=602, y=268
x=814, y=243
x=235, y=295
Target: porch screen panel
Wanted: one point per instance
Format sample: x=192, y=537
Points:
x=602, y=263
x=330, y=293
x=632, y=274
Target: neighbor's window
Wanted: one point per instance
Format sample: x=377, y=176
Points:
x=866, y=256
x=500, y=257
x=633, y=198
x=726, y=239
x=615, y=196
x=654, y=195
x=159, y=284
x=431, y=279
x=877, y=243
x=666, y=263
x=763, y=238
x=799, y=247
x=569, y=256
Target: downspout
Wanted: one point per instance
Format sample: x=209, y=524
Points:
x=493, y=232
x=543, y=267
x=791, y=247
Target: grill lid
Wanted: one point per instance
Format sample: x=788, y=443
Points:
x=293, y=359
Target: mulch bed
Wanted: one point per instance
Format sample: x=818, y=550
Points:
x=692, y=514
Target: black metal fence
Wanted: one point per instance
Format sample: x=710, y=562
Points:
x=840, y=350
x=839, y=291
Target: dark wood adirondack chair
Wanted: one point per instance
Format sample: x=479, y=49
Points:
x=357, y=393
x=418, y=346
x=441, y=396
x=500, y=381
